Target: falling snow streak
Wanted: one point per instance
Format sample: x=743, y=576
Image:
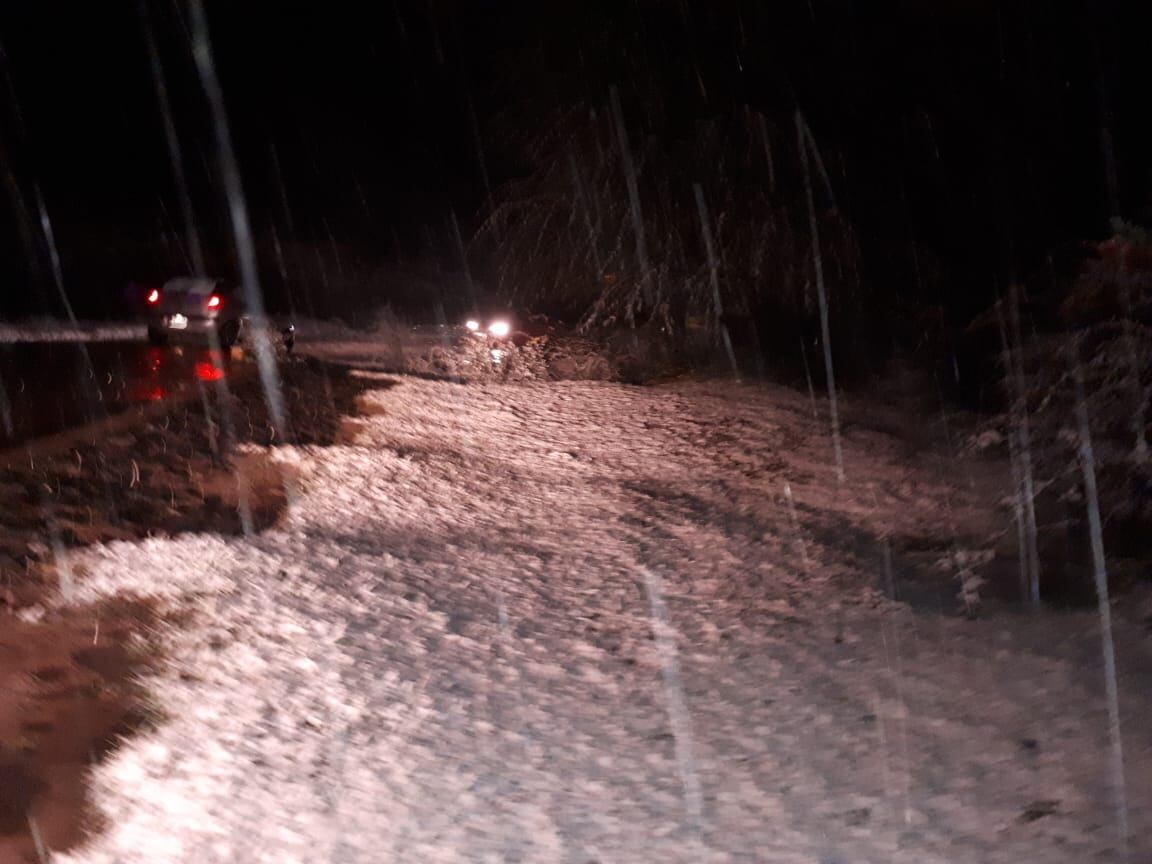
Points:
x=637, y=213
x=804, y=139
x=238, y=215
x=678, y=714
x=458, y=238
x=20, y=206
x=1024, y=431
x=1139, y=393
x=714, y=278
x=585, y=212
x=808, y=379
x=796, y=529
x=1104, y=605
x=54, y=257
x=86, y=371
x=894, y=665
x=193, y=250
x=1020, y=454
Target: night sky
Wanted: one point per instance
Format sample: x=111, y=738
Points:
x=970, y=128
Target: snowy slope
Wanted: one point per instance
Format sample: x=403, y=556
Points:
x=452, y=649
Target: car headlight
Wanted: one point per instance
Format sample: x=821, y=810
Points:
x=499, y=329
x=472, y=325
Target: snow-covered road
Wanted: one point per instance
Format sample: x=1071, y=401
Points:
x=452, y=649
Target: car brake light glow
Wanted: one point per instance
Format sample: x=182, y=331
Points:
x=207, y=371
x=214, y=301
x=154, y=296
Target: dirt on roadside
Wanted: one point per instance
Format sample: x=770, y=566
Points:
x=69, y=698
x=67, y=675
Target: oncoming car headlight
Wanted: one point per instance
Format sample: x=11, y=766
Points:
x=499, y=329
x=472, y=325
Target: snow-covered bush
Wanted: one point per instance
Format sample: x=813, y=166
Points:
x=1106, y=317
x=965, y=565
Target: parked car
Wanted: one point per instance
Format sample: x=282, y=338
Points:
x=197, y=309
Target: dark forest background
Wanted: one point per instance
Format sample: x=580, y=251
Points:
x=967, y=144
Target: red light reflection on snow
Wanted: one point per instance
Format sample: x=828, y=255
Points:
x=206, y=371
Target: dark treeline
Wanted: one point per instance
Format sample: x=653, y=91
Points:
x=967, y=145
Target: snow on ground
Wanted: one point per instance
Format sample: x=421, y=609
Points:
x=56, y=330
x=51, y=330
x=446, y=652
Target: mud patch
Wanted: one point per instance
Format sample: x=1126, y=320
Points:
x=67, y=680
x=349, y=431
x=199, y=466
x=70, y=698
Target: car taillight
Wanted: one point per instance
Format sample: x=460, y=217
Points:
x=154, y=296
x=214, y=301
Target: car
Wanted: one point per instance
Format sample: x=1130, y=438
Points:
x=195, y=308
x=502, y=326
x=492, y=327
